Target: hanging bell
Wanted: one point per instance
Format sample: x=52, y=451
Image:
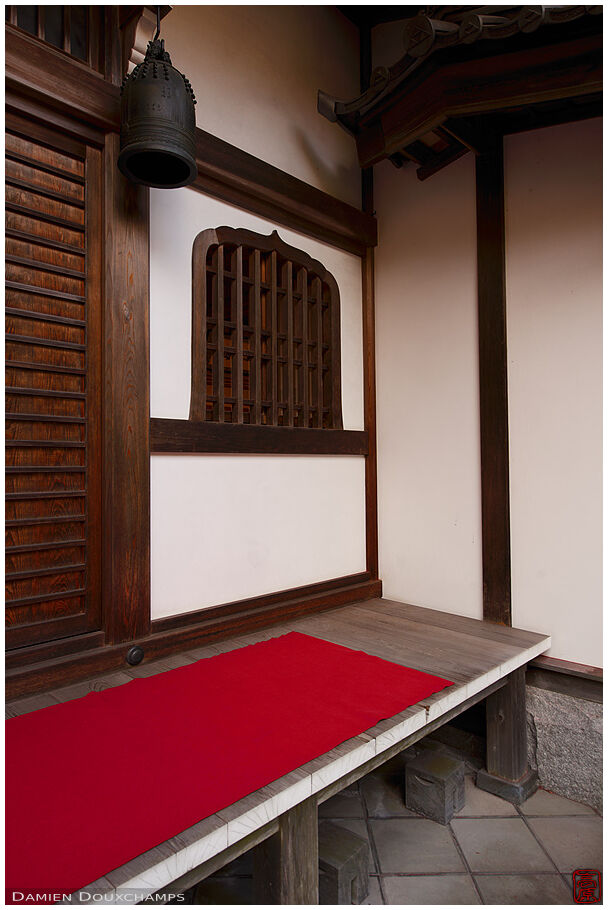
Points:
x=157, y=123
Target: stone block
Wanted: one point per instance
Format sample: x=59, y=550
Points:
x=343, y=865
x=434, y=786
x=565, y=744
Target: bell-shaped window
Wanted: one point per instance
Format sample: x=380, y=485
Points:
x=266, y=333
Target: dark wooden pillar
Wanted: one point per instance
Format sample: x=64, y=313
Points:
x=286, y=866
x=494, y=422
x=507, y=773
x=126, y=405
x=369, y=399
x=369, y=335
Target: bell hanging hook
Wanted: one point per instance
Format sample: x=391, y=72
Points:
x=157, y=24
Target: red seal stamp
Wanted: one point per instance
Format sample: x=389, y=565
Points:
x=587, y=886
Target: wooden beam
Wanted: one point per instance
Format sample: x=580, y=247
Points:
x=126, y=414
x=569, y=668
x=437, y=92
x=230, y=174
x=42, y=73
x=188, y=437
x=493, y=400
x=540, y=676
x=38, y=677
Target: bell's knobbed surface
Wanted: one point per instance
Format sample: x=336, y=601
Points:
x=157, y=146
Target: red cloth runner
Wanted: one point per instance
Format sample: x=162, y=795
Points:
x=94, y=782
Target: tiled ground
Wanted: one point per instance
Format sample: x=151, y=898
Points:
x=491, y=853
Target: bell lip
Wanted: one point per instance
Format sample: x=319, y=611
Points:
x=136, y=148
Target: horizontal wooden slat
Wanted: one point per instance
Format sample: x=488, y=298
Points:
x=45, y=292
x=43, y=469
x=45, y=393
x=43, y=418
x=44, y=368
x=45, y=598
x=36, y=138
x=44, y=166
x=27, y=237
x=44, y=342
x=59, y=494
x=54, y=519
x=44, y=443
x=43, y=191
x=42, y=266
x=45, y=545
x=190, y=437
x=43, y=216
x=44, y=317
x=40, y=573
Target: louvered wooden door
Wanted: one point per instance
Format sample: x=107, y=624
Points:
x=53, y=324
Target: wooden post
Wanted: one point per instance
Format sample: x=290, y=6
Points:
x=286, y=865
x=126, y=407
x=493, y=401
x=508, y=774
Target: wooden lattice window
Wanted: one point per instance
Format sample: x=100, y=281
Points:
x=265, y=333
x=77, y=30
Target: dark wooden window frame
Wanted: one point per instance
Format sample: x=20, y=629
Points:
x=205, y=431
x=46, y=85
x=284, y=320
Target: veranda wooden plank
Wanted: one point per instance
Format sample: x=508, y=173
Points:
x=479, y=627
x=387, y=648
x=467, y=644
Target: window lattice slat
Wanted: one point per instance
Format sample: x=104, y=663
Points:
x=266, y=333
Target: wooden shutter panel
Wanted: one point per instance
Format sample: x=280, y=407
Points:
x=53, y=309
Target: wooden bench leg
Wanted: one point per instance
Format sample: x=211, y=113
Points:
x=508, y=774
x=286, y=865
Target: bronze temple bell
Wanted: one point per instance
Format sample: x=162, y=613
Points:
x=157, y=123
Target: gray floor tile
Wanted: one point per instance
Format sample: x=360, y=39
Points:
x=500, y=845
x=375, y=895
x=343, y=805
x=357, y=826
x=545, y=803
x=523, y=889
x=414, y=845
x=430, y=889
x=572, y=843
x=479, y=802
x=384, y=795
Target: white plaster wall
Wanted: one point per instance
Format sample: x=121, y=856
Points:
x=256, y=70
x=227, y=528
x=554, y=317
x=428, y=396
x=224, y=528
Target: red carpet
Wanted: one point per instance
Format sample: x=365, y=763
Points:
x=94, y=782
